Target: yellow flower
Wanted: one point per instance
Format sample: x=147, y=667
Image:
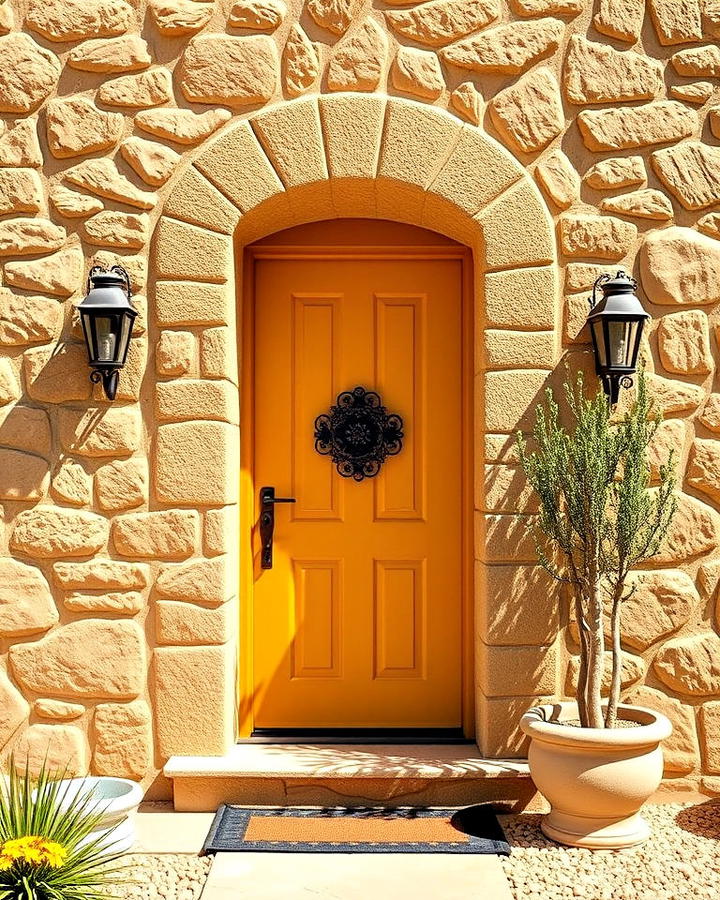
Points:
x=32, y=849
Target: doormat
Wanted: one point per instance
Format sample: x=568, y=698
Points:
x=237, y=829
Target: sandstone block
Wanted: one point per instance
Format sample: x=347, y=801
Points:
x=194, y=707
x=617, y=172
x=20, y=146
x=29, y=75
x=20, y=237
x=174, y=352
x=47, y=532
x=194, y=463
x=335, y=15
x=417, y=72
x=558, y=179
x=358, y=62
x=669, y=439
x=26, y=603
x=73, y=204
x=508, y=539
x=23, y=476
x=467, y=100
x=680, y=266
x=581, y=276
x=14, y=709
x=633, y=669
x=121, y=484
x=204, y=581
x=100, y=575
x=521, y=298
x=122, y=54
x=118, y=603
x=512, y=588
x=73, y=20
x=689, y=665
x=247, y=187
x=291, y=136
x=544, y=7
x=167, y=534
x=602, y=237
x=680, y=750
x=518, y=349
x=20, y=191
x=57, y=748
x=183, y=126
x=218, y=355
x=697, y=61
x=112, y=431
x=72, y=484
x=710, y=224
x=195, y=200
x=30, y=320
x=125, y=231
x=187, y=399
x=123, y=745
x=690, y=172
x=509, y=671
x=695, y=530
x=699, y=92
x=101, y=177
x=644, y=204
x=175, y=18
x=621, y=19
x=704, y=467
x=188, y=303
x=529, y=114
x=520, y=211
x=58, y=710
x=55, y=375
x=676, y=21
x=231, y=70
x=510, y=395
x=352, y=131
x=153, y=162
x=146, y=89
x=662, y=122
x=710, y=729
x=661, y=604
x=89, y=658
x=710, y=413
x=9, y=384
x=597, y=73
x=59, y=274
x=183, y=624
x=221, y=530
x=26, y=428
x=684, y=342
x=257, y=15
x=508, y=49
x=300, y=62
x=443, y=21
x=187, y=252
x=670, y=396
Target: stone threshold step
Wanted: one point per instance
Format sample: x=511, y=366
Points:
x=345, y=774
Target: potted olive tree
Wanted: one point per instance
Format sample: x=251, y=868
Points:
x=595, y=759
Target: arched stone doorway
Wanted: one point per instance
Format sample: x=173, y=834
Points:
x=345, y=156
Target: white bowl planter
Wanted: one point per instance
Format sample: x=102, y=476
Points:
x=117, y=799
x=596, y=779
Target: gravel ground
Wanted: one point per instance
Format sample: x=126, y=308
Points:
x=680, y=860
x=166, y=877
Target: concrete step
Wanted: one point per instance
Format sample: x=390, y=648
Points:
x=348, y=775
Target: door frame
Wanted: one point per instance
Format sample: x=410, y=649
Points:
x=245, y=258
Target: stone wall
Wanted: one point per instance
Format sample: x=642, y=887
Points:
x=118, y=546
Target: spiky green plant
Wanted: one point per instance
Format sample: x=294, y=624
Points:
x=599, y=518
x=47, y=849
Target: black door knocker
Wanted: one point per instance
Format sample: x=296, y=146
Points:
x=358, y=434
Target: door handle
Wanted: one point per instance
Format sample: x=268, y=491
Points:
x=267, y=523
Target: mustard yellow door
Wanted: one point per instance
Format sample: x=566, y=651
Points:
x=358, y=622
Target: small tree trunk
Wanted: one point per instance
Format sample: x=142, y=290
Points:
x=582, y=677
x=596, y=646
x=616, y=681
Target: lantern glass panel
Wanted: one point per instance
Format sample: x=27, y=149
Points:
x=106, y=336
x=126, y=329
x=621, y=337
x=599, y=341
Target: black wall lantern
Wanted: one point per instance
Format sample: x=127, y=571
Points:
x=616, y=325
x=107, y=317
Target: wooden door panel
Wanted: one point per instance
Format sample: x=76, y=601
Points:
x=358, y=623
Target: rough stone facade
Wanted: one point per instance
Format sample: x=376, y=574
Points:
x=556, y=138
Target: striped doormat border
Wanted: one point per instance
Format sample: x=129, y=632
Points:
x=237, y=829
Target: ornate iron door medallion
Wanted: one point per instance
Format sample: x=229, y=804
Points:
x=358, y=434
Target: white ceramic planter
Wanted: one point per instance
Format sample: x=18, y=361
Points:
x=117, y=799
x=596, y=779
